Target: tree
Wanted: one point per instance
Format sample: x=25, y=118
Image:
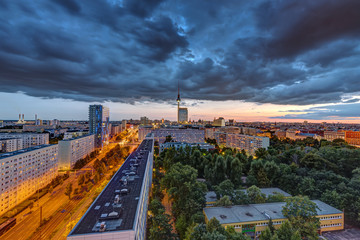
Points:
x=168, y=139
x=276, y=197
x=236, y=172
x=161, y=228
x=81, y=179
x=219, y=169
x=266, y=235
x=299, y=207
x=51, y=189
x=224, y=188
x=261, y=153
x=255, y=195
x=271, y=226
x=296, y=236
x=223, y=202
x=156, y=207
x=31, y=205
x=302, y=214
x=87, y=176
x=68, y=190
x=285, y=231
x=240, y=198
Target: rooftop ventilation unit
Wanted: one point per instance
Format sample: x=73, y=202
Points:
x=102, y=227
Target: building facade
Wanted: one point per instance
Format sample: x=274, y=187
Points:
x=178, y=145
x=120, y=210
x=72, y=150
x=143, y=131
x=253, y=219
x=352, y=137
x=332, y=135
x=179, y=135
x=74, y=134
x=183, y=115
x=242, y=142
x=220, y=122
x=28, y=139
x=25, y=171
x=99, y=124
x=11, y=144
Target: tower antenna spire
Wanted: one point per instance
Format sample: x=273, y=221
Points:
x=178, y=101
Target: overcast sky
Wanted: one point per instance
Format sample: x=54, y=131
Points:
x=272, y=60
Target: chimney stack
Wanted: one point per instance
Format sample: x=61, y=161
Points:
x=23, y=117
x=19, y=117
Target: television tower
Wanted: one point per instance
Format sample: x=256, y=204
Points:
x=178, y=102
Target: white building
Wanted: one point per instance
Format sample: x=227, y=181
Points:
x=248, y=131
x=210, y=132
x=220, y=122
x=25, y=171
x=120, y=210
x=143, y=131
x=243, y=142
x=29, y=139
x=332, y=135
x=188, y=135
x=11, y=144
x=74, y=134
x=178, y=145
x=72, y=150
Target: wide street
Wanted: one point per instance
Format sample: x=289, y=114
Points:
x=58, y=206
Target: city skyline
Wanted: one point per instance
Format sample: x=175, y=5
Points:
x=249, y=61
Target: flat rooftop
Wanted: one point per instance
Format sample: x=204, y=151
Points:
x=126, y=186
x=75, y=138
x=258, y=212
x=211, y=196
x=25, y=150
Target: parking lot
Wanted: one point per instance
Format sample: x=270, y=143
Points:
x=348, y=234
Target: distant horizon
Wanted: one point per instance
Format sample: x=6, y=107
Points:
x=246, y=60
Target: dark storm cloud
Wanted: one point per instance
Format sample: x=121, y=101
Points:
x=331, y=112
x=283, y=52
x=69, y=5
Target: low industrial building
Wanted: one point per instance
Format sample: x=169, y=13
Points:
x=253, y=219
x=211, y=196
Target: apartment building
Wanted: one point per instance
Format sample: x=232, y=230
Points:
x=25, y=171
x=120, y=210
x=242, y=142
x=143, y=131
x=28, y=139
x=72, y=150
x=188, y=135
x=74, y=134
x=99, y=124
x=178, y=145
x=352, y=137
x=10, y=144
x=332, y=135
